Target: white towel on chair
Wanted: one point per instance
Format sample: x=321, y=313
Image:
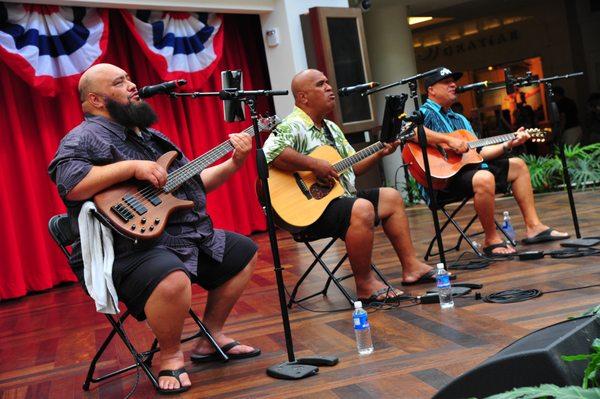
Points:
x=98, y=256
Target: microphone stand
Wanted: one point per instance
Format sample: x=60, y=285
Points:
x=530, y=80
x=294, y=368
x=418, y=118
x=556, y=128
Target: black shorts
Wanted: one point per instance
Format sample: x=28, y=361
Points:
x=335, y=220
x=136, y=275
x=461, y=185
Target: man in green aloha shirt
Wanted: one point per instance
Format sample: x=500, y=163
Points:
x=353, y=216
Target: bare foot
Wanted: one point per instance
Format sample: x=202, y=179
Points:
x=378, y=288
x=415, y=271
x=172, y=362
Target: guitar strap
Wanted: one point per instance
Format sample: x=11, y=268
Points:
x=328, y=134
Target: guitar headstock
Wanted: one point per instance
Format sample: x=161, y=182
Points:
x=408, y=129
x=268, y=123
x=537, y=135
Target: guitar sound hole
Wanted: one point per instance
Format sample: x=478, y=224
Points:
x=319, y=191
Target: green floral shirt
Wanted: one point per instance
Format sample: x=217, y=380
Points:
x=299, y=132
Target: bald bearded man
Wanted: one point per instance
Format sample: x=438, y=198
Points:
x=114, y=144
x=353, y=216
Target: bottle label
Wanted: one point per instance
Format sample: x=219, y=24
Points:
x=361, y=322
x=443, y=281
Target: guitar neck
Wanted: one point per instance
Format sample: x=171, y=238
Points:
x=186, y=172
x=359, y=156
x=491, y=140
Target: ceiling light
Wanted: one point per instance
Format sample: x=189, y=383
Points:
x=418, y=20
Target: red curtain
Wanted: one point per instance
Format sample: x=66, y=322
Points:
x=32, y=126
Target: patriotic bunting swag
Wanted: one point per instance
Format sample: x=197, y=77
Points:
x=179, y=45
x=50, y=46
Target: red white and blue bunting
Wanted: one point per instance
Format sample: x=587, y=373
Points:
x=179, y=45
x=48, y=46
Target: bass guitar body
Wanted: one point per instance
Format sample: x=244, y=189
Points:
x=137, y=209
x=297, y=198
x=443, y=164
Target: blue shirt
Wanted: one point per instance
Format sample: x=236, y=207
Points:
x=443, y=121
x=98, y=141
x=439, y=120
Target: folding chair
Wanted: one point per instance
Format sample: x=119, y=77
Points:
x=318, y=259
x=450, y=219
x=61, y=232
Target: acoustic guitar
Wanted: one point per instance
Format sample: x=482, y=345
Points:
x=298, y=199
x=445, y=164
x=141, y=211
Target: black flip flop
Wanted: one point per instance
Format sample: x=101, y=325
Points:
x=544, y=236
x=213, y=357
x=374, y=297
x=174, y=374
x=489, y=251
x=427, y=278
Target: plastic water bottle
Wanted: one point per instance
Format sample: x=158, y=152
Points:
x=507, y=226
x=362, y=330
x=442, y=279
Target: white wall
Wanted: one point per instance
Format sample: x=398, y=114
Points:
x=391, y=55
x=289, y=57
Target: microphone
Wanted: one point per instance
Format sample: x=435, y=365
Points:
x=472, y=86
x=161, y=88
x=346, y=91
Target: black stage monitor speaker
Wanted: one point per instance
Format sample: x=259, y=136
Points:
x=530, y=361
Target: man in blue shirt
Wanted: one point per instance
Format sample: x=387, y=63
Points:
x=481, y=181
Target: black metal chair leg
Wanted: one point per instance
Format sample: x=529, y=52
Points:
x=90, y=374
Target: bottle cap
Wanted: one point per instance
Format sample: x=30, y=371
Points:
x=358, y=305
x=505, y=213
x=440, y=265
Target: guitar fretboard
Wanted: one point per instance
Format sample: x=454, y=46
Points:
x=491, y=140
x=181, y=175
x=359, y=156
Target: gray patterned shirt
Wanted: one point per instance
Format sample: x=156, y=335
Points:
x=98, y=141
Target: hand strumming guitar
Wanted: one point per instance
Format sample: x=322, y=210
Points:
x=149, y=171
x=457, y=145
x=324, y=171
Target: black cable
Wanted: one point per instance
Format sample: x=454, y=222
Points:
x=375, y=305
x=572, y=289
x=137, y=380
x=474, y=263
x=519, y=295
x=574, y=253
x=512, y=296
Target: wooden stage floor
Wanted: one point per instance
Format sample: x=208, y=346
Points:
x=48, y=339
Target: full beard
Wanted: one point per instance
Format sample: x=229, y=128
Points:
x=132, y=114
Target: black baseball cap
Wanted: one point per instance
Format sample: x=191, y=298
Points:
x=441, y=74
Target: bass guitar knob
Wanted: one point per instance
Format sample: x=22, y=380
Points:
x=157, y=221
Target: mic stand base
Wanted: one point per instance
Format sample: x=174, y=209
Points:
x=292, y=371
x=301, y=368
x=580, y=242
